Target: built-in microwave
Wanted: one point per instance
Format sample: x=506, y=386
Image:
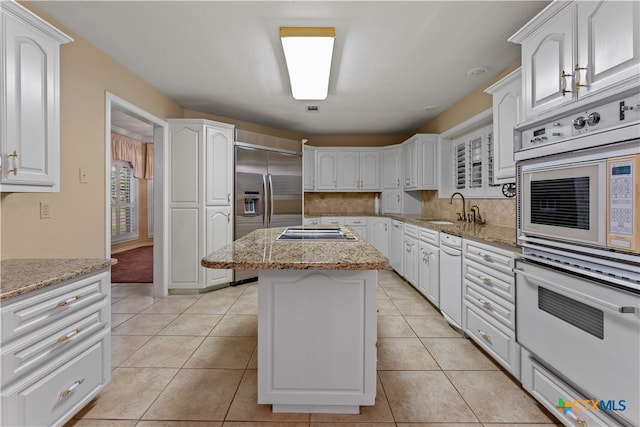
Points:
x=588, y=198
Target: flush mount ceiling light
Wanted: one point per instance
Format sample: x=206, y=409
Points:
x=476, y=71
x=308, y=52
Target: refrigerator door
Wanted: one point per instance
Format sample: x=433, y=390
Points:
x=285, y=189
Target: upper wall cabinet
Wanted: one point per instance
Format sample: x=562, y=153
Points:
x=392, y=163
x=29, y=101
x=345, y=169
x=309, y=168
x=506, y=115
x=577, y=52
x=420, y=162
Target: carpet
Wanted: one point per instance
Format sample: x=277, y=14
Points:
x=134, y=266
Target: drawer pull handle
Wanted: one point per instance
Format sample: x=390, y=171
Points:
x=579, y=421
x=73, y=386
x=356, y=222
x=486, y=257
x=485, y=335
x=68, y=301
x=69, y=335
x=486, y=304
x=485, y=280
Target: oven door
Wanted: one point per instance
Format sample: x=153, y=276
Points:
x=565, y=202
x=585, y=331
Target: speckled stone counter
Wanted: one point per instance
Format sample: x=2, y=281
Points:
x=260, y=250
x=21, y=276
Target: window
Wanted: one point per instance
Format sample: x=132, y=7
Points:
x=124, y=223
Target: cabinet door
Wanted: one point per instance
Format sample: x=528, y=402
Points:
x=370, y=170
x=429, y=272
x=608, y=45
x=184, y=165
x=348, y=170
x=219, y=170
x=392, y=201
x=397, y=247
x=545, y=55
x=219, y=232
x=392, y=166
x=411, y=255
x=428, y=170
x=326, y=170
x=185, y=249
x=506, y=114
x=31, y=146
x=309, y=172
x=410, y=155
x=378, y=234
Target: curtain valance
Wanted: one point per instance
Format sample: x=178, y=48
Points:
x=138, y=153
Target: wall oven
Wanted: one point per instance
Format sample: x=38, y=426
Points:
x=578, y=277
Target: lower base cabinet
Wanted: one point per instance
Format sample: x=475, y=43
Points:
x=56, y=351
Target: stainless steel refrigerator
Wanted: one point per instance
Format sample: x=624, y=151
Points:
x=268, y=192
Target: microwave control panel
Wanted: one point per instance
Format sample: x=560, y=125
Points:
x=605, y=116
x=622, y=204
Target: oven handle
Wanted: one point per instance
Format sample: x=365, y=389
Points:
x=596, y=301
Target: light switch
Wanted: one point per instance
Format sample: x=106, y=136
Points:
x=45, y=211
x=83, y=176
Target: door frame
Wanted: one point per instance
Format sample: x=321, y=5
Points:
x=160, y=188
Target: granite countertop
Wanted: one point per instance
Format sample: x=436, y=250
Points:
x=21, y=276
x=260, y=250
x=487, y=233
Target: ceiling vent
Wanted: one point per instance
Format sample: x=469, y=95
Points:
x=312, y=108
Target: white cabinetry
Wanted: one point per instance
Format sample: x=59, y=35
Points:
x=429, y=268
x=309, y=165
x=311, y=221
x=200, y=189
x=378, y=233
x=30, y=99
x=359, y=170
x=578, y=52
x=326, y=170
x=489, y=302
x=332, y=220
x=358, y=224
x=392, y=163
x=56, y=351
x=400, y=202
x=411, y=254
x=420, y=162
x=506, y=115
x=396, y=246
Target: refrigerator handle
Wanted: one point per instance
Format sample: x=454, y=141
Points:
x=264, y=200
x=270, y=200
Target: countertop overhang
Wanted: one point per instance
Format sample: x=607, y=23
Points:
x=260, y=250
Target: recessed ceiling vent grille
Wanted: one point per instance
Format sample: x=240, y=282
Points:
x=312, y=108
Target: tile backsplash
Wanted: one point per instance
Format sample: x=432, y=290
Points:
x=494, y=211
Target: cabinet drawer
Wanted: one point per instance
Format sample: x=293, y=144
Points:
x=311, y=221
x=546, y=388
x=496, y=340
x=358, y=221
x=496, y=308
x=333, y=220
x=491, y=280
x=411, y=230
x=57, y=396
x=25, y=355
x=490, y=256
x=42, y=309
x=429, y=236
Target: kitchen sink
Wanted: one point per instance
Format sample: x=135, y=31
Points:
x=304, y=233
x=441, y=222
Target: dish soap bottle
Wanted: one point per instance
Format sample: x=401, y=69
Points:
x=376, y=204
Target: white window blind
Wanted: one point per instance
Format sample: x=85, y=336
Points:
x=124, y=223
x=459, y=166
x=475, y=161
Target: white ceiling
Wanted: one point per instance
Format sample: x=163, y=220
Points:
x=391, y=59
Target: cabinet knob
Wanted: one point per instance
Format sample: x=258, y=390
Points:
x=398, y=182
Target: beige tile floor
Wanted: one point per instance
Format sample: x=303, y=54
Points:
x=190, y=361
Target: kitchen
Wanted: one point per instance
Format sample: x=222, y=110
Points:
x=27, y=236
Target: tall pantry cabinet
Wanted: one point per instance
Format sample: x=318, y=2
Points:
x=200, y=206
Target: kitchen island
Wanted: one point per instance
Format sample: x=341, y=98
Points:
x=316, y=319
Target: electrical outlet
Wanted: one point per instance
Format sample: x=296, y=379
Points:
x=45, y=211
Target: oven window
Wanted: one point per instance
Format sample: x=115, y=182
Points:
x=561, y=202
x=582, y=316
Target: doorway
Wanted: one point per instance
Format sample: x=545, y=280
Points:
x=131, y=122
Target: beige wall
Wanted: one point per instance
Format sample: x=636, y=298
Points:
x=77, y=224
x=356, y=140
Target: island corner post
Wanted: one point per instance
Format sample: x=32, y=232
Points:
x=317, y=320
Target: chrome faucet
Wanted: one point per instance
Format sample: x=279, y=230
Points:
x=477, y=219
x=462, y=217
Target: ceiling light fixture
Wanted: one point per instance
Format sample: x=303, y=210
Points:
x=308, y=52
